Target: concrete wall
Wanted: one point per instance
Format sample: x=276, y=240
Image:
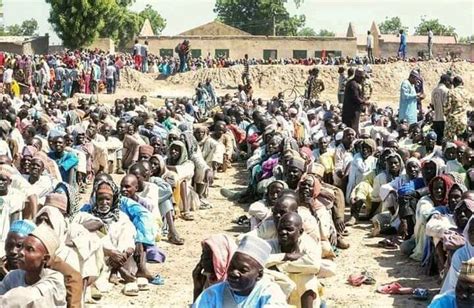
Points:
x=38, y=46
x=105, y=44
x=254, y=46
x=11, y=47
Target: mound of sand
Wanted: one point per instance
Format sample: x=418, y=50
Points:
x=386, y=79
x=134, y=80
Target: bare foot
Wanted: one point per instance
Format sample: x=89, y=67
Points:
x=114, y=279
x=126, y=276
x=145, y=274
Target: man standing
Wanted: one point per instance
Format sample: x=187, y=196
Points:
x=353, y=100
x=144, y=54
x=402, y=50
x=183, y=50
x=341, y=85
x=439, y=98
x=458, y=102
x=408, y=99
x=370, y=45
x=246, y=72
x=430, y=44
x=137, y=55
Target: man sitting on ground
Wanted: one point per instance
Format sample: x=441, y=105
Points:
x=245, y=286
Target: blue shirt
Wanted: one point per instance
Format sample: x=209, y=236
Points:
x=264, y=294
x=141, y=218
x=407, y=109
x=445, y=300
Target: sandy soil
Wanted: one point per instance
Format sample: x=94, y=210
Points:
x=387, y=265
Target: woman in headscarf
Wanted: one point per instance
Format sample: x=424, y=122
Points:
x=319, y=202
x=464, y=253
x=361, y=168
x=178, y=162
x=217, y=252
x=261, y=209
x=115, y=229
x=437, y=200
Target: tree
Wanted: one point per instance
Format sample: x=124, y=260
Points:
x=14, y=30
x=29, y=27
x=78, y=22
x=306, y=31
x=435, y=26
x=259, y=17
x=391, y=26
x=122, y=24
x=325, y=32
x=157, y=22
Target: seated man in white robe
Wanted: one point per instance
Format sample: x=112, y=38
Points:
x=33, y=285
x=296, y=255
x=246, y=285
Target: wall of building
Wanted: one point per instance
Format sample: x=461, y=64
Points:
x=254, y=46
x=11, y=47
x=105, y=44
x=38, y=46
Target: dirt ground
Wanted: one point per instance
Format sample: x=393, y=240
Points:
x=386, y=265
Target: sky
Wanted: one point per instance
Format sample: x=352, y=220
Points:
x=333, y=15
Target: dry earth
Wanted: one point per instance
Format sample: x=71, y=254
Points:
x=387, y=265
x=268, y=80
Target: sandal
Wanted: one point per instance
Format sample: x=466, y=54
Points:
x=388, y=244
x=420, y=294
x=143, y=284
x=158, y=280
x=394, y=288
x=356, y=280
x=370, y=280
x=175, y=240
x=242, y=220
x=131, y=289
x=187, y=216
x=205, y=205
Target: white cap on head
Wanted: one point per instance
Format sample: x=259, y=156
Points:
x=256, y=248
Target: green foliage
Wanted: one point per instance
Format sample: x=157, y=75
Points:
x=157, y=22
x=435, y=26
x=306, y=31
x=325, y=32
x=256, y=16
x=27, y=28
x=391, y=25
x=79, y=22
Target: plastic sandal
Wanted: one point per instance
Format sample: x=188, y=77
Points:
x=388, y=244
x=394, y=288
x=420, y=294
x=143, y=284
x=158, y=280
x=356, y=280
x=131, y=289
x=370, y=278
